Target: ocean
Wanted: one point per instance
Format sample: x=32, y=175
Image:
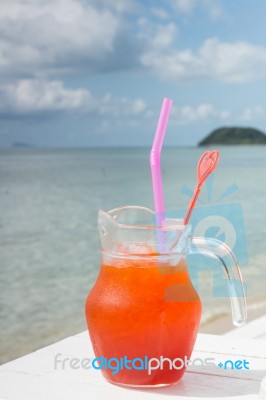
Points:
x=49, y=243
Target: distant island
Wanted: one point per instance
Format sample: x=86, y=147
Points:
x=234, y=136
x=22, y=144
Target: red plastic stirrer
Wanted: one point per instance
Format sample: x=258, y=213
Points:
x=206, y=165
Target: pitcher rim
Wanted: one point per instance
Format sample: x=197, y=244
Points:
x=179, y=225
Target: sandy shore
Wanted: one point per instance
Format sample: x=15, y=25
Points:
x=221, y=324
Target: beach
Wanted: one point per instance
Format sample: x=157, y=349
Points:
x=218, y=325
x=49, y=244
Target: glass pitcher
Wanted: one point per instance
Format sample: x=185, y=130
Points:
x=143, y=312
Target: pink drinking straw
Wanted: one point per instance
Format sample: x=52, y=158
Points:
x=155, y=162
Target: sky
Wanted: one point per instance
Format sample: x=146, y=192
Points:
x=80, y=73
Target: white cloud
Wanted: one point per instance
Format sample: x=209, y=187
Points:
x=160, y=37
x=160, y=13
x=185, y=6
x=164, y=36
x=43, y=39
x=188, y=114
x=29, y=97
x=211, y=7
x=123, y=107
x=224, y=114
x=117, y=5
x=36, y=36
x=215, y=9
x=237, y=62
x=251, y=113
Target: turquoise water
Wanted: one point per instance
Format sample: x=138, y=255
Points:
x=49, y=245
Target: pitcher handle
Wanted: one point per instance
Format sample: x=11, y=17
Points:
x=216, y=249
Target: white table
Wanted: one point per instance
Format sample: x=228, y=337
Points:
x=34, y=376
x=254, y=329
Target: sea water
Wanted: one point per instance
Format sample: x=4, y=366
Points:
x=49, y=244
